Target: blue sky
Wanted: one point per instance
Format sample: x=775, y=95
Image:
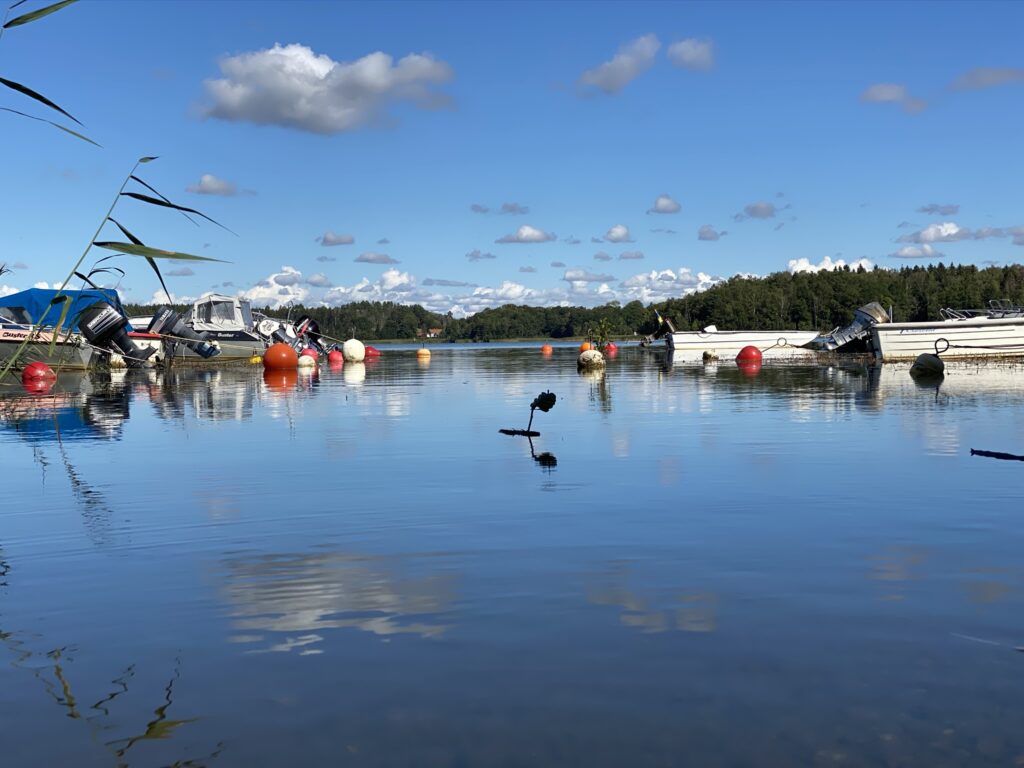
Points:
x=798, y=134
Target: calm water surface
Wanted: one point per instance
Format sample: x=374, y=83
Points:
x=690, y=567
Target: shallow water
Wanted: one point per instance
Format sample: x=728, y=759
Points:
x=693, y=567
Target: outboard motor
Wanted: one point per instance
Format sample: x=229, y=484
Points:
x=105, y=327
x=169, y=322
x=865, y=317
x=307, y=326
x=285, y=335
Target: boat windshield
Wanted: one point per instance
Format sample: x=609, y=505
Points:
x=246, y=308
x=218, y=312
x=15, y=315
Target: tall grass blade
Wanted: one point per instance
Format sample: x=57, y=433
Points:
x=166, y=200
x=167, y=204
x=131, y=249
x=149, y=159
x=37, y=96
x=55, y=125
x=152, y=261
x=34, y=15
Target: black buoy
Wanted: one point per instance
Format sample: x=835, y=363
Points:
x=545, y=401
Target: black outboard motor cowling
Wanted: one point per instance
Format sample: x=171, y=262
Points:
x=105, y=327
x=307, y=326
x=169, y=323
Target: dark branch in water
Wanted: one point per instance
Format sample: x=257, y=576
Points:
x=997, y=455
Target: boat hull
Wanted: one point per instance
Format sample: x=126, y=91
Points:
x=972, y=338
x=69, y=352
x=729, y=343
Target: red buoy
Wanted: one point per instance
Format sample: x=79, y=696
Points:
x=372, y=351
x=38, y=370
x=335, y=356
x=310, y=352
x=611, y=349
x=748, y=355
x=280, y=357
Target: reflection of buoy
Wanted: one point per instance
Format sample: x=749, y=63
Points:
x=749, y=354
x=928, y=365
x=280, y=357
x=335, y=357
x=590, y=358
x=586, y=346
x=307, y=362
x=546, y=350
x=750, y=368
x=354, y=373
x=255, y=359
x=423, y=353
x=280, y=379
x=354, y=351
x=310, y=352
x=372, y=351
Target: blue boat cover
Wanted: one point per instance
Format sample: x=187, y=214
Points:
x=36, y=305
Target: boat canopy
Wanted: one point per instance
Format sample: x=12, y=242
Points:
x=36, y=306
x=221, y=313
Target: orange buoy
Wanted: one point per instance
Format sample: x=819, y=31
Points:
x=749, y=355
x=372, y=351
x=280, y=379
x=423, y=353
x=280, y=357
x=335, y=356
x=586, y=345
x=546, y=350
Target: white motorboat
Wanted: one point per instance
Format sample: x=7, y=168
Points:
x=729, y=343
x=995, y=332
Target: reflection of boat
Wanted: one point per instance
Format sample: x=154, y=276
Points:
x=996, y=332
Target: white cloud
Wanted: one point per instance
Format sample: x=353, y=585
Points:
x=288, y=277
x=693, y=53
x=618, y=234
x=211, y=185
x=758, y=210
x=631, y=255
x=924, y=251
x=293, y=87
x=826, y=265
x=318, y=280
x=946, y=232
x=987, y=77
x=708, y=232
x=632, y=60
x=277, y=289
x=375, y=258
x=329, y=238
x=180, y=272
x=660, y=285
x=664, y=204
x=527, y=234
x=583, y=276
x=7, y=290
x=477, y=255
x=515, y=209
x=447, y=283
x=936, y=209
x=602, y=256
x=892, y=93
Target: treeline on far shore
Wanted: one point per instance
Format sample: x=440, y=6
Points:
x=806, y=301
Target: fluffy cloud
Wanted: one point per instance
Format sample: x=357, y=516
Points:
x=318, y=280
x=527, y=269
x=375, y=258
x=181, y=272
x=935, y=209
x=664, y=204
x=293, y=87
x=660, y=285
x=329, y=238
x=708, y=232
x=583, y=276
x=447, y=283
x=987, y=77
x=618, y=234
x=7, y=290
x=892, y=93
x=211, y=185
x=326, y=257
x=477, y=208
x=277, y=289
x=515, y=209
x=692, y=53
x=477, y=255
x=288, y=278
x=946, y=232
x=527, y=234
x=924, y=251
x=826, y=265
x=602, y=256
x=631, y=255
x=632, y=60
x=758, y=210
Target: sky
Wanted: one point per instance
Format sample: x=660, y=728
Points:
x=469, y=155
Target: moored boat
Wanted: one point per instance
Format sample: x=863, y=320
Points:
x=995, y=332
x=729, y=343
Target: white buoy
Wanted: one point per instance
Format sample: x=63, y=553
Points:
x=116, y=361
x=354, y=351
x=305, y=361
x=590, y=359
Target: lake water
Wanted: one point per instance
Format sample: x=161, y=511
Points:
x=691, y=567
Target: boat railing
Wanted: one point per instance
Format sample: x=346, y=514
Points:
x=997, y=308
